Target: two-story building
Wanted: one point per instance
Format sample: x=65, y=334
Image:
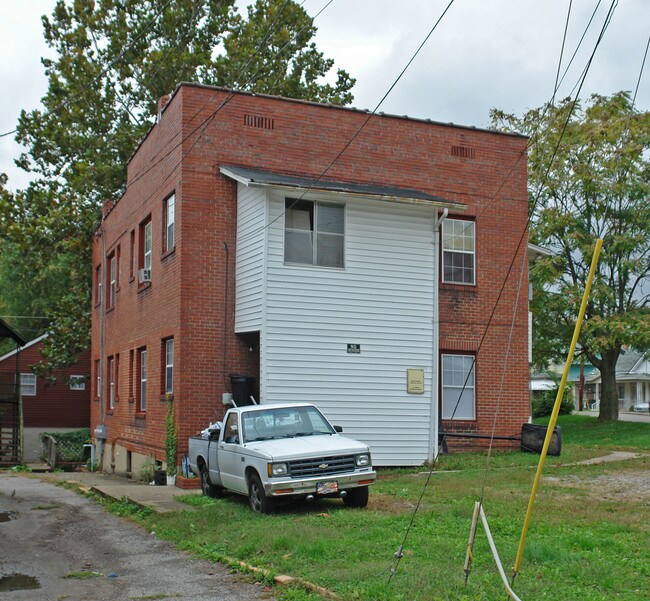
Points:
x=374, y=265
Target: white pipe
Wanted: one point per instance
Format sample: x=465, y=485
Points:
x=495, y=554
x=435, y=360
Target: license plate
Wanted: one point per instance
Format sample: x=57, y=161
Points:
x=326, y=488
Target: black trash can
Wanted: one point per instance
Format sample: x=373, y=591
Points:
x=532, y=439
x=243, y=388
x=160, y=477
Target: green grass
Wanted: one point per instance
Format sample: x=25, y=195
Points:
x=579, y=546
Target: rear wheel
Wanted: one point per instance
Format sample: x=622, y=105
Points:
x=209, y=489
x=257, y=499
x=356, y=497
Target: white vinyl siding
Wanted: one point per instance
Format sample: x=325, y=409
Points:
x=383, y=301
x=251, y=235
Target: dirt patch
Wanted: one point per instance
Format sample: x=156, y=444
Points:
x=628, y=485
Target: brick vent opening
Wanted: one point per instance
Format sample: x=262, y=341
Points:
x=464, y=152
x=258, y=121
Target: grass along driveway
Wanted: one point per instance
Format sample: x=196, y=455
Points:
x=588, y=540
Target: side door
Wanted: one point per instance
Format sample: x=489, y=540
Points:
x=230, y=456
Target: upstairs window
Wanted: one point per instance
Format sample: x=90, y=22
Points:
x=98, y=284
x=77, y=383
x=146, y=263
x=458, y=388
x=170, y=218
x=314, y=233
x=144, y=251
x=458, y=252
x=111, y=286
x=28, y=384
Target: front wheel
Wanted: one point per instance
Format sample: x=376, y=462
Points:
x=209, y=489
x=356, y=497
x=257, y=499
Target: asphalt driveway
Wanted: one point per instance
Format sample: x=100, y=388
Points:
x=49, y=535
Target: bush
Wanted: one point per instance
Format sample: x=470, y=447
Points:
x=542, y=403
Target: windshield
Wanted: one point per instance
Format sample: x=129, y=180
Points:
x=286, y=422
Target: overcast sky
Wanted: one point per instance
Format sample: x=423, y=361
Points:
x=484, y=54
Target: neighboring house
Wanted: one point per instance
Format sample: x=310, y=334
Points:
x=329, y=256
x=47, y=406
x=632, y=378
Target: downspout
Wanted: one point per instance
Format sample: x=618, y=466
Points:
x=102, y=342
x=435, y=362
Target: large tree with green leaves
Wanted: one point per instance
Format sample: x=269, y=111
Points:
x=589, y=178
x=113, y=60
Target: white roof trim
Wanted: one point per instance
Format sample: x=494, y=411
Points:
x=316, y=190
x=22, y=348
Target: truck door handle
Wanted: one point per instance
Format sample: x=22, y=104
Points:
x=243, y=458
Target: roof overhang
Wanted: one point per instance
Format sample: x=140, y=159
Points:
x=303, y=185
x=6, y=331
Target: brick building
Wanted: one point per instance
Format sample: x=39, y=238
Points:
x=58, y=405
x=254, y=238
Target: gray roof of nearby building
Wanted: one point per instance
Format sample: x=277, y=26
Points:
x=254, y=177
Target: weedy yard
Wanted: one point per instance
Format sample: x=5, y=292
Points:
x=589, y=538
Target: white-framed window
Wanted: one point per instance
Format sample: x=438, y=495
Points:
x=458, y=387
x=28, y=384
x=458, y=252
x=314, y=233
x=147, y=246
x=170, y=218
x=98, y=380
x=112, y=280
x=142, y=400
x=169, y=366
x=111, y=383
x=77, y=383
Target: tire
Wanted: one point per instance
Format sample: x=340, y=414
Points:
x=257, y=499
x=356, y=497
x=209, y=489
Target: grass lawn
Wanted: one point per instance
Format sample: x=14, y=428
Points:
x=589, y=538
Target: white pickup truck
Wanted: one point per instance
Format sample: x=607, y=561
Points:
x=272, y=451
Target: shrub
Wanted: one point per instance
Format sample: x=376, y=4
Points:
x=543, y=401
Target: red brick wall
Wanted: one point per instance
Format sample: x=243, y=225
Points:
x=191, y=296
x=55, y=405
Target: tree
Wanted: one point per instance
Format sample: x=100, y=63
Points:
x=114, y=60
x=590, y=180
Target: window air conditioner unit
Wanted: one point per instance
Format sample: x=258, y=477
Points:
x=144, y=276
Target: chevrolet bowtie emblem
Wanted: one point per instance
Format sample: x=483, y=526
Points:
x=324, y=466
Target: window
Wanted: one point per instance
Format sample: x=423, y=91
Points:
x=314, y=233
x=111, y=383
x=77, y=383
x=231, y=433
x=144, y=261
x=132, y=254
x=458, y=251
x=170, y=217
x=168, y=350
x=458, y=390
x=112, y=281
x=131, y=362
x=98, y=284
x=27, y=384
x=142, y=389
x=98, y=380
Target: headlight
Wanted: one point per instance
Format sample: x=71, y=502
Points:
x=278, y=469
x=363, y=460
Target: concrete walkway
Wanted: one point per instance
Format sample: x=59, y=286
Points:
x=158, y=498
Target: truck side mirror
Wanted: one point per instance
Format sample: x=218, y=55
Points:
x=214, y=434
x=339, y=429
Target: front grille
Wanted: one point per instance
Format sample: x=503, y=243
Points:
x=308, y=468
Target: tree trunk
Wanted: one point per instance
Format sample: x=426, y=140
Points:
x=609, y=392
